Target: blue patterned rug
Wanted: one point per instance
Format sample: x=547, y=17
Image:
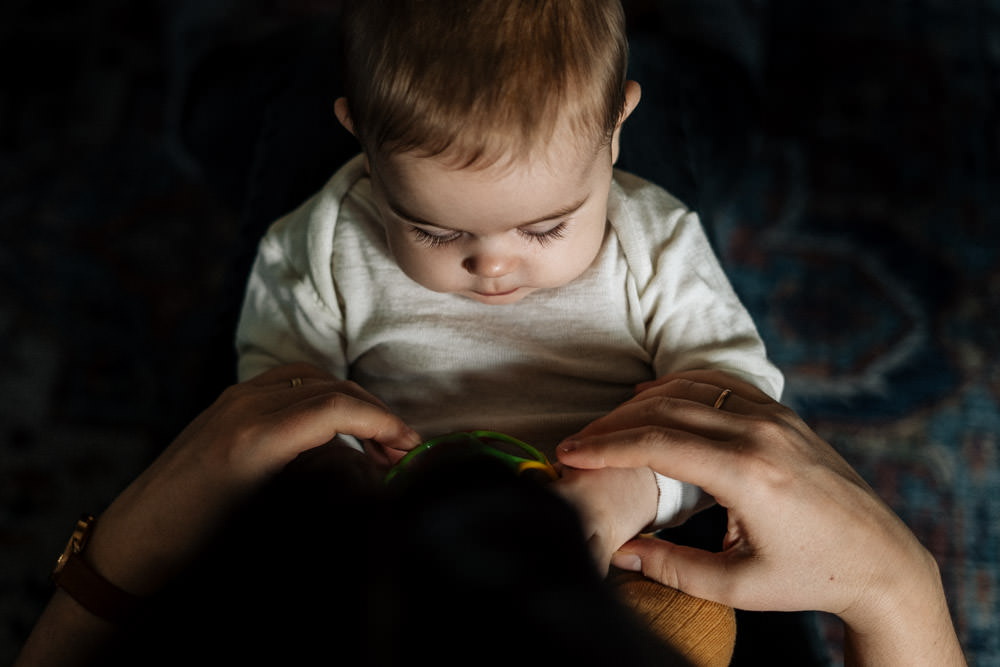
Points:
x=844, y=157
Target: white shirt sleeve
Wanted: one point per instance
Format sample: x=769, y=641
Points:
x=291, y=310
x=693, y=318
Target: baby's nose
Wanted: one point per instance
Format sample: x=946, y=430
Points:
x=489, y=265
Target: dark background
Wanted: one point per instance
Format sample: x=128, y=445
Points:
x=843, y=155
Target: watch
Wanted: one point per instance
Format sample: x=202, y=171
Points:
x=92, y=591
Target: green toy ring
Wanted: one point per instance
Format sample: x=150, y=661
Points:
x=534, y=459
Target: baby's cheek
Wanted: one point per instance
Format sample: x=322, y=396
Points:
x=428, y=271
x=570, y=262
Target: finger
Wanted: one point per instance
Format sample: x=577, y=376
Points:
x=659, y=408
x=715, y=377
x=704, y=394
x=284, y=374
x=301, y=374
x=689, y=457
x=674, y=395
x=377, y=453
x=383, y=455
x=703, y=574
x=278, y=391
x=707, y=387
x=317, y=419
x=356, y=390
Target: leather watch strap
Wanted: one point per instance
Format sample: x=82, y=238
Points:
x=92, y=591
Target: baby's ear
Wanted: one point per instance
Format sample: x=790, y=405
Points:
x=343, y=113
x=633, y=93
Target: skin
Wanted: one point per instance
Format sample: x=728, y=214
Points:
x=489, y=235
x=160, y=523
x=805, y=531
x=496, y=235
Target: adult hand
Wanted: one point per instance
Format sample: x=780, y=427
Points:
x=248, y=435
x=159, y=524
x=805, y=532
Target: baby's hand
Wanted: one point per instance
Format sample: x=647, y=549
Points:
x=614, y=505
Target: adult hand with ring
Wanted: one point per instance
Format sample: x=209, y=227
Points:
x=721, y=400
x=805, y=532
x=232, y=448
x=381, y=454
x=162, y=521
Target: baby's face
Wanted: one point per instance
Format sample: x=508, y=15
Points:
x=494, y=235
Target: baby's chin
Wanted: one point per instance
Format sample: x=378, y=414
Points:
x=498, y=298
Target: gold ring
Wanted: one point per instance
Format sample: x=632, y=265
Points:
x=722, y=398
x=295, y=382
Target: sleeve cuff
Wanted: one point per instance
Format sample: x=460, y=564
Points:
x=677, y=501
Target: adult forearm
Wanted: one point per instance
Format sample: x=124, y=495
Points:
x=913, y=629
x=132, y=546
x=66, y=635
x=162, y=521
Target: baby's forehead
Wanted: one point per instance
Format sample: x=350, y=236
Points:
x=566, y=153
x=431, y=190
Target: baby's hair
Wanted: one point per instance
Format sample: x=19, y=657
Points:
x=479, y=81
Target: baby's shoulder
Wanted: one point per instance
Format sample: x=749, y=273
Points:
x=317, y=216
x=644, y=192
x=301, y=241
x=640, y=207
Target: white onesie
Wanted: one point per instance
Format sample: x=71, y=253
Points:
x=325, y=290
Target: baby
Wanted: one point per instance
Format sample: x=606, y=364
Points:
x=481, y=264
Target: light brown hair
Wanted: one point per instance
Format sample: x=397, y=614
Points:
x=482, y=80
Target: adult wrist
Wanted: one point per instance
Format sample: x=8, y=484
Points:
x=906, y=623
x=88, y=587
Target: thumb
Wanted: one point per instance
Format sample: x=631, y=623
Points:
x=696, y=572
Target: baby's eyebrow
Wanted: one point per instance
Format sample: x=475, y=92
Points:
x=559, y=213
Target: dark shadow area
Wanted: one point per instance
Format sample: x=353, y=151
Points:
x=843, y=156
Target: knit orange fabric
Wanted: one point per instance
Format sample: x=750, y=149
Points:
x=703, y=631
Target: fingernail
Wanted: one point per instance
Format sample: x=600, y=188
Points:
x=627, y=561
x=569, y=446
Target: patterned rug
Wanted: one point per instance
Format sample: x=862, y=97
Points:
x=844, y=157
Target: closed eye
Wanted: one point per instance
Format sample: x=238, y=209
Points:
x=546, y=237
x=436, y=240
x=426, y=238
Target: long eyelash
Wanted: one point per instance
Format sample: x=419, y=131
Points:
x=543, y=238
x=431, y=240
x=547, y=237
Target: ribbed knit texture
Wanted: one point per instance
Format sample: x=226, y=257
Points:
x=704, y=631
